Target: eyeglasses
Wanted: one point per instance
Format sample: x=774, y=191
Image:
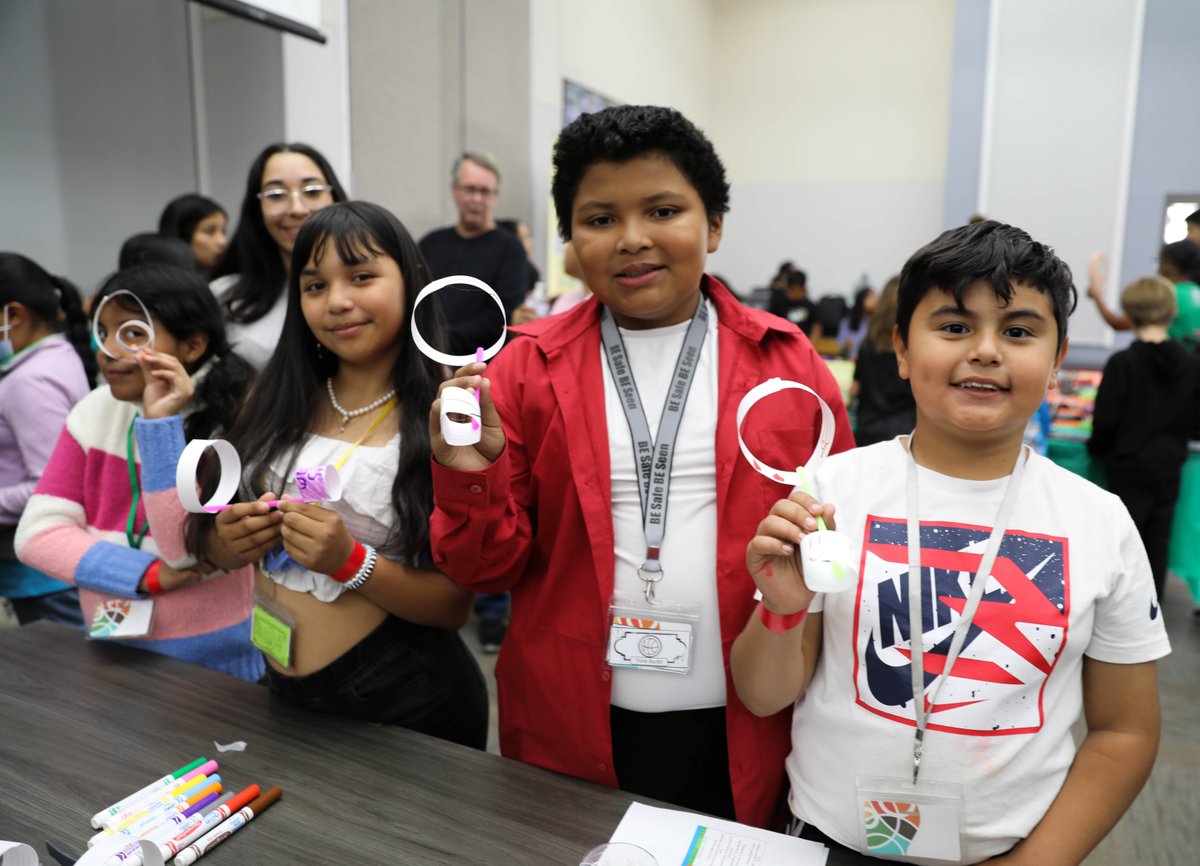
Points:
x=476, y=191
x=278, y=198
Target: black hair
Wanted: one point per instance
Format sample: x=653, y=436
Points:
x=1185, y=255
x=989, y=252
x=859, y=311
x=182, y=303
x=183, y=213
x=1193, y=217
x=797, y=278
x=270, y=430
x=52, y=300
x=622, y=132
x=252, y=255
x=148, y=248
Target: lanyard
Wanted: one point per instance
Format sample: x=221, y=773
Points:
x=653, y=456
x=133, y=536
x=387, y=408
x=916, y=628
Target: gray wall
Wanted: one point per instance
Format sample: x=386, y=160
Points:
x=967, y=94
x=428, y=80
x=1166, y=144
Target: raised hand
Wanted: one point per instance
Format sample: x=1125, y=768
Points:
x=168, y=386
x=773, y=555
x=481, y=455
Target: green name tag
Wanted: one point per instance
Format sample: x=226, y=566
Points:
x=271, y=635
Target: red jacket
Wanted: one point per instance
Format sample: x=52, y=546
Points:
x=538, y=522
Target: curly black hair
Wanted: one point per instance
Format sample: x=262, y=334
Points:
x=989, y=252
x=622, y=132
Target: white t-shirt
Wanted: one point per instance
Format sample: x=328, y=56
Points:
x=254, y=341
x=689, y=549
x=1071, y=579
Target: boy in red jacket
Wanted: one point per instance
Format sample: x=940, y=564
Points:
x=564, y=501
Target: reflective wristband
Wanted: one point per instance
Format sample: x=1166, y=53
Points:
x=352, y=564
x=153, y=582
x=778, y=622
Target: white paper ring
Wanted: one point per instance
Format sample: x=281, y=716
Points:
x=319, y=483
x=457, y=360
x=824, y=438
x=460, y=401
x=147, y=325
x=187, y=470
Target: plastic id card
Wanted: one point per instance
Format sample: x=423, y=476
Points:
x=271, y=630
x=117, y=618
x=651, y=637
x=903, y=821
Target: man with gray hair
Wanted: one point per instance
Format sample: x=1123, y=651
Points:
x=475, y=247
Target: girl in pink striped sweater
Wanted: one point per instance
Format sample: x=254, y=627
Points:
x=105, y=515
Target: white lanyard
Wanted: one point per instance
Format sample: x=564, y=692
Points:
x=653, y=456
x=916, y=630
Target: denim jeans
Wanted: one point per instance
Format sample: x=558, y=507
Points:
x=62, y=606
x=413, y=676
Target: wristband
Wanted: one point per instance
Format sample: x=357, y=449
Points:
x=153, y=583
x=352, y=564
x=780, y=623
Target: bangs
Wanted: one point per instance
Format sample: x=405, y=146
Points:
x=352, y=241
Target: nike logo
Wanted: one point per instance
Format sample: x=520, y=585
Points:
x=1153, y=611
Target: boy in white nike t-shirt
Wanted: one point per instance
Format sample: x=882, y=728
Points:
x=983, y=767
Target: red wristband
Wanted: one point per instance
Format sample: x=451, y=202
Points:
x=352, y=564
x=153, y=583
x=778, y=622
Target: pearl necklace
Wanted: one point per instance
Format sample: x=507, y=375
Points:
x=347, y=414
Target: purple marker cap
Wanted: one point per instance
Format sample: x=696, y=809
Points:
x=201, y=805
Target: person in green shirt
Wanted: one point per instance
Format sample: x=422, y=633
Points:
x=1179, y=262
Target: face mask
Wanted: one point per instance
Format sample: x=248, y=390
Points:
x=6, y=346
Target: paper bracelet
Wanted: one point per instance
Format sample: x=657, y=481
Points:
x=460, y=401
x=824, y=439
x=130, y=343
x=316, y=484
x=449, y=360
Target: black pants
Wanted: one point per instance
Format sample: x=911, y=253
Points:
x=1152, y=507
x=401, y=674
x=679, y=757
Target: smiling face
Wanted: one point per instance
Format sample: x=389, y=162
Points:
x=979, y=373
x=355, y=309
x=123, y=373
x=209, y=240
x=641, y=235
x=307, y=191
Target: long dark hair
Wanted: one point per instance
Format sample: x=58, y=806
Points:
x=52, y=300
x=859, y=311
x=182, y=303
x=272, y=429
x=183, y=213
x=252, y=255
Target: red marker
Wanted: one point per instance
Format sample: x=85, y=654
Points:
x=241, y=818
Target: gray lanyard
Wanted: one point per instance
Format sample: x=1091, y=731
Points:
x=916, y=629
x=653, y=457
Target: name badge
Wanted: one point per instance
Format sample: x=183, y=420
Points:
x=271, y=631
x=902, y=821
x=651, y=637
x=116, y=618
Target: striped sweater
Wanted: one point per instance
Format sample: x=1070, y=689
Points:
x=74, y=529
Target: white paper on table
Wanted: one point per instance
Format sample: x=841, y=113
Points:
x=677, y=838
x=17, y=854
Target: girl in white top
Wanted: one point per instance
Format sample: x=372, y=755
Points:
x=349, y=613
x=287, y=183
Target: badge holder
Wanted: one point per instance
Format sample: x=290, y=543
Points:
x=272, y=629
x=651, y=637
x=116, y=618
x=903, y=821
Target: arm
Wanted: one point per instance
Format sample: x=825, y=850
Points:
x=480, y=530
x=770, y=671
x=1097, y=279
x=43, y=404
x=1112, y=764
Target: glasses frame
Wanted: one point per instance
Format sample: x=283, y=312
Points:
x=291, y=195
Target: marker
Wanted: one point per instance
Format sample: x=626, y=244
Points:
x=173, y=796
x=145, y=792
x=193, y=828
x=117, y=819
x=213, y=838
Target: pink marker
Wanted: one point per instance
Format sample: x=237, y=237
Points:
x=478, y=360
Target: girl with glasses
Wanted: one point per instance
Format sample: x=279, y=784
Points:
x=286, y=184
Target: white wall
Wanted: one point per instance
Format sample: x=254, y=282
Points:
x=832, y=117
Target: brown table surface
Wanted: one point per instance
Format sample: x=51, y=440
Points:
x=85, y=723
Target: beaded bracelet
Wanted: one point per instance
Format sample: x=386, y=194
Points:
x=353, y=563
x=780, y=623
x=365, y=570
